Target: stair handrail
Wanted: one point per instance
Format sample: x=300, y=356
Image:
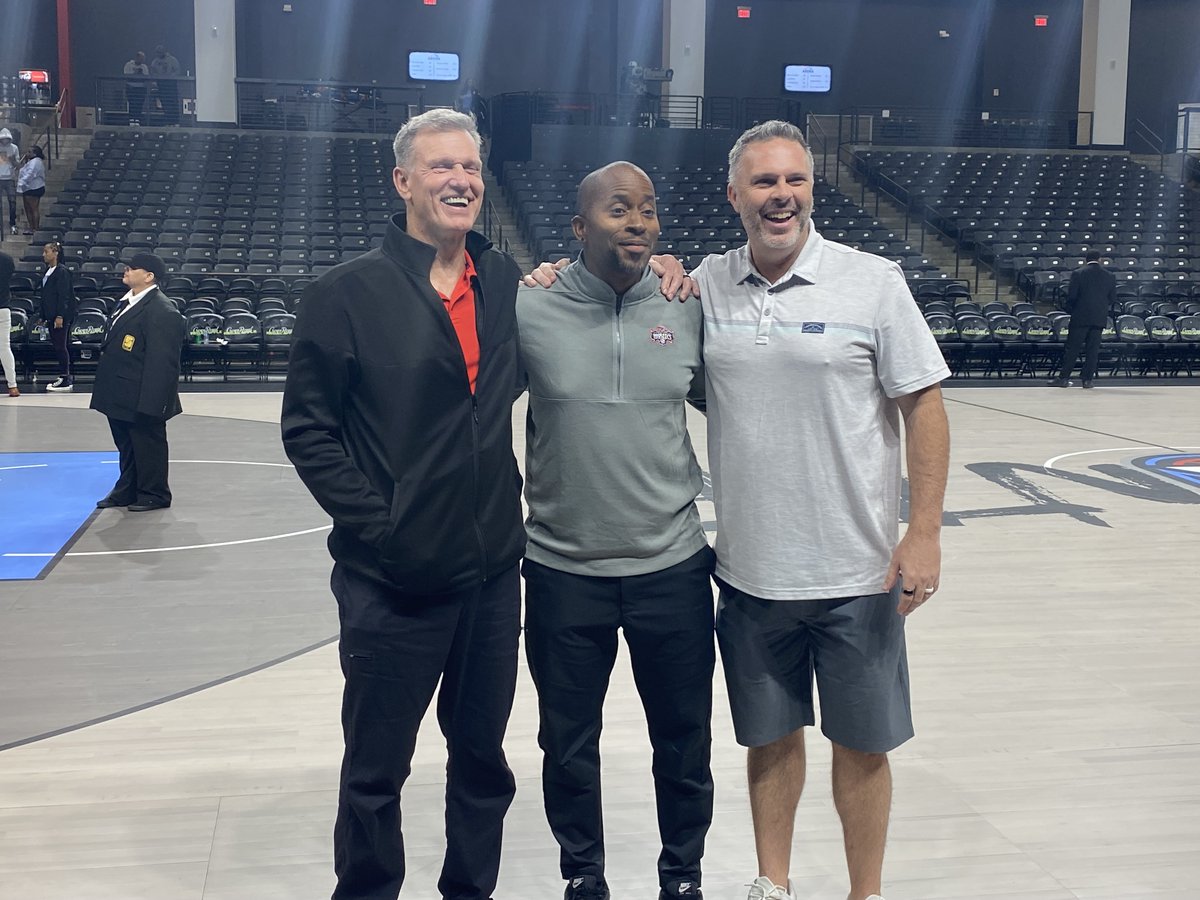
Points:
x=1152, y=139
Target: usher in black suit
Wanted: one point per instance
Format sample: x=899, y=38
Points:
x=1093, y=289
x=137, y=387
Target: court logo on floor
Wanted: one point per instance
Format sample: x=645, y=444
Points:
x=1183, y=467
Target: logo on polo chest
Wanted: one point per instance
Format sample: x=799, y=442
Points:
x=662, y=336
x=812, y=328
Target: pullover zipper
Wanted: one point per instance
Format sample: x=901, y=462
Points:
x=619, y=356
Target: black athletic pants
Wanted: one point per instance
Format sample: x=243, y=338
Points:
x=571, y=624
x=394, y=649
x=59, y=340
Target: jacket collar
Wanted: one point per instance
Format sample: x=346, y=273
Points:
x=417, y=256
x=577, y=280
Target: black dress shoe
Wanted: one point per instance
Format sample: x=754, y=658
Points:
x=1087, y=385
x=110, y=502
x=146, y=507
x=1058, y=382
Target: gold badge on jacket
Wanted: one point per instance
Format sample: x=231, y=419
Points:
x=127, y=342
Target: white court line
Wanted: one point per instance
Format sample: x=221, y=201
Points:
x=270, y=537
x=33, y=466
x=209, y=462
x=218, y=462
x=1049, y=464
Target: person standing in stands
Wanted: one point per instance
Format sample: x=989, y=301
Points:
x=7, y=362
x=31, y=185
x=58, y=311
x=135, y=87
x=137, y=385
x=615, y=540
x=166, y=67
x=10, y=156
x=397, y=413
x=1091, y=294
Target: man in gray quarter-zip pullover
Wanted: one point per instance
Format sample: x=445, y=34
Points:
x=615, y=540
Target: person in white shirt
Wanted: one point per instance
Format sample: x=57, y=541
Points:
x=31, y=185
x=9, y=164
x=137, y=86
x=814, y=352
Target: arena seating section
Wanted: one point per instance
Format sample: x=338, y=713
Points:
x=245, y=221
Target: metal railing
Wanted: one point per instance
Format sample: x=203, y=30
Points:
x=1187, y=128
x=1142, y=134
x=818, y=143
x=50, y=133
x=919, y=127
x=650, y=110
x=325, y=106
x=149, y=101
x=490, y=225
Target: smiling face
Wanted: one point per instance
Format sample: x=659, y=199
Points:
x=772, y=190
x=617, y=224
x=442, y=187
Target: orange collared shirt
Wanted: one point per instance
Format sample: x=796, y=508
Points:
x=461, y=307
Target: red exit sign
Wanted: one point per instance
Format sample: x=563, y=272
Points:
x=1041, y=21
x=743, y=12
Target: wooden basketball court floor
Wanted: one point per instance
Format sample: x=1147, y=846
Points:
x=169, y=692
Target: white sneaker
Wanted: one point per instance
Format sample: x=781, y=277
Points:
x=762, y=888
x=61, y=385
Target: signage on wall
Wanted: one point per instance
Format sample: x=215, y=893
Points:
x=743, y=12
x=1041, y=21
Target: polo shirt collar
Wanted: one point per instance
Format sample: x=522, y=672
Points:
x=804, y=267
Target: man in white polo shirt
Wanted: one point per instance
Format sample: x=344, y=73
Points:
x=814, y=352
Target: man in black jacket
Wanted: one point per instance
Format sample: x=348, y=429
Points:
x=137, y=385
x=1090, y=295
x=58, y=311
x=397, y=416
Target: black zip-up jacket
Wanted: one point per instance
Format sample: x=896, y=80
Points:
x=379, y=420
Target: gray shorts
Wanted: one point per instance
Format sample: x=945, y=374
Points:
x=771, y=649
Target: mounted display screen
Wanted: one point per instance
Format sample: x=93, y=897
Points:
x=807, y=79
x=426, y=66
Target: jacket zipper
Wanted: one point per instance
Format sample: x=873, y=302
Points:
x=478, y=291
x=619, y=357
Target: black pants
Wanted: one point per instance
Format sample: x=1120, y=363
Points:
x=571, y=624
x=394, y=649
x=1086, y=337
x=142, y=445
x=62, y=352
x=137, y=101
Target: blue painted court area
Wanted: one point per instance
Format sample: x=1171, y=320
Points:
x=46, y=498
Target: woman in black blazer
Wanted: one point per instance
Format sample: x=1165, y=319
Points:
x=58, y=310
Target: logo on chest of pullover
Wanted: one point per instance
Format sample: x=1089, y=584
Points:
x=662, y=336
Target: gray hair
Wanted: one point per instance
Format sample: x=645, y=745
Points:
x=435, y=120
x=766, y=131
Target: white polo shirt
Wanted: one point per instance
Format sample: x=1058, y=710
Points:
x=803, y=426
